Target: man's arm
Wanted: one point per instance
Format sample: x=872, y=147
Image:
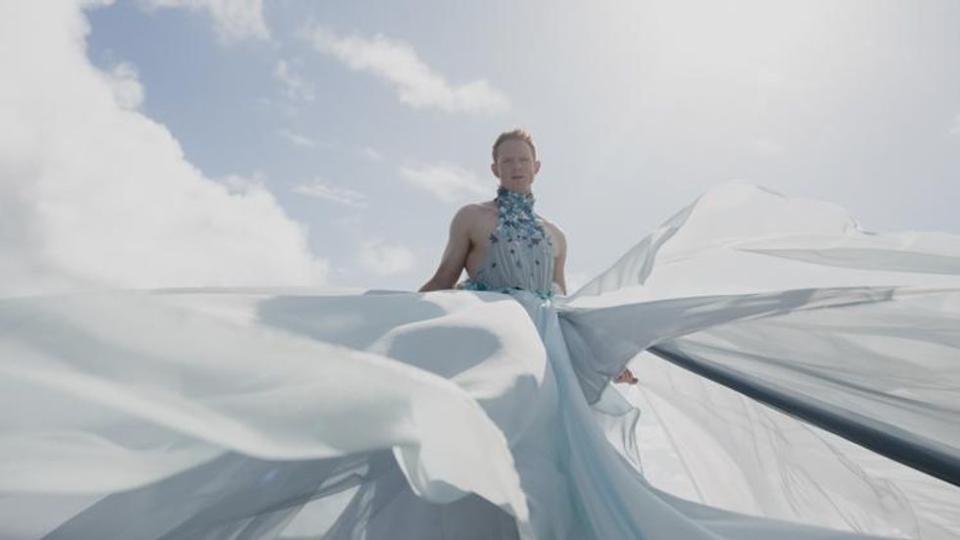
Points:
x=455, y=255
x=626, y=376
x=560, y=259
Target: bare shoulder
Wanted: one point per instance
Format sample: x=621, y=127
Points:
x=481, y=213
x=556, y=233
x=485, y=207
x=551, y=226
x=468, y=213
x=474, y=218
x=482, y=207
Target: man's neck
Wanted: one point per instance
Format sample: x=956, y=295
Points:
x=527, y=192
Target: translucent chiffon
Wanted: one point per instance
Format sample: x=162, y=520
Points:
x=461, y=414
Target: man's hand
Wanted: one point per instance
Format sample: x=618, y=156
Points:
x=626, y=377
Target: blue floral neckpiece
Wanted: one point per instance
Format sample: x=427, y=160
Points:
x=515, y=218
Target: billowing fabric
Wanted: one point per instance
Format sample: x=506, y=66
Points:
x=470, y=414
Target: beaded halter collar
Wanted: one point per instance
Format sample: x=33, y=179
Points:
x=515, y=218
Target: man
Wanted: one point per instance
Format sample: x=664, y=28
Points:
x=515, y=164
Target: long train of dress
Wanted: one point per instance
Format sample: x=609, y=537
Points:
x=460, y=414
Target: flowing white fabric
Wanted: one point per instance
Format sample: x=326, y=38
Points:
x=456, y=414
x=878, y=343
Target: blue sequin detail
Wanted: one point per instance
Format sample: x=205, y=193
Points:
x=515, y=215
x=518, y=226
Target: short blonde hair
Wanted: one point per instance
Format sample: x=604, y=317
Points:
x=516, y=135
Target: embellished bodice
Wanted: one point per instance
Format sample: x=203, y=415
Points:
x=521, y=253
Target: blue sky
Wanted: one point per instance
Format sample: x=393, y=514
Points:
x=365, y=125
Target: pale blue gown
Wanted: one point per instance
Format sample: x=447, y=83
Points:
x=489, y=412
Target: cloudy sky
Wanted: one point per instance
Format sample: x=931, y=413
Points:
x=149, y=143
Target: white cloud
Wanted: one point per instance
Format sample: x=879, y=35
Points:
x=416, y=83
x=449, y=183
x=378, y=257
x=294, y=86
x=233, y=19
x=297, y=139
x=344, y=196
x=126, y=87
x=240, y=185
x=94, y=194
x=955, y=130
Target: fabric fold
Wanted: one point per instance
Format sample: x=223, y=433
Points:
x=461, y=414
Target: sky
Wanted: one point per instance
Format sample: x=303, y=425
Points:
x=163, y=143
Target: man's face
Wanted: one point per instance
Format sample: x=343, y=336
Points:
x=515, y=166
